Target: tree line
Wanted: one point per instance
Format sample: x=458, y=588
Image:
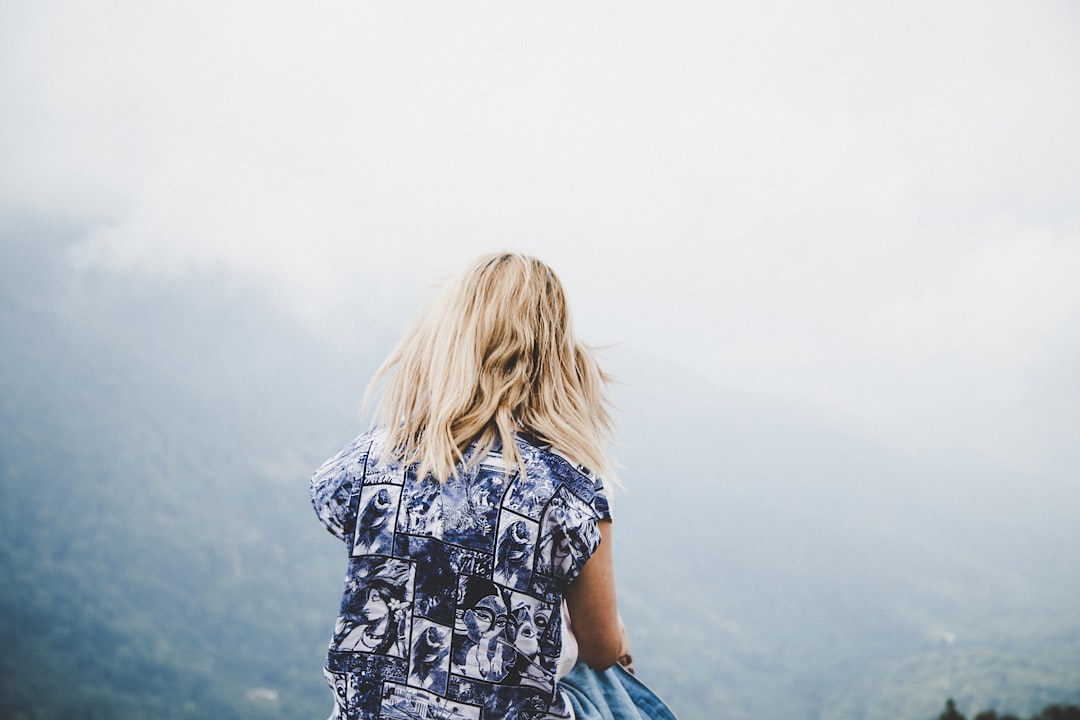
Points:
x=1050, y=712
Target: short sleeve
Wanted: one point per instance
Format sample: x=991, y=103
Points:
x=335, y=487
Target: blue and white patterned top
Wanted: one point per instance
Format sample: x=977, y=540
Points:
x=453, y=597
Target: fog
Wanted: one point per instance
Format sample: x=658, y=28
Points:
x=868, y=212
x=847, y=229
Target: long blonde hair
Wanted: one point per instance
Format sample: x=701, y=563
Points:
x=494, y=354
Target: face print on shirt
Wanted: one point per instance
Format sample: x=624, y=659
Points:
x=375, y=523
x=375, y=608
x=534, y=628
x=567, y=537
x=514, y=553
x=481, y=647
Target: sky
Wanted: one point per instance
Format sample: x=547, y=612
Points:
x=868, y=213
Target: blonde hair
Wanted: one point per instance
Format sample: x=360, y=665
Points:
x=494, y=354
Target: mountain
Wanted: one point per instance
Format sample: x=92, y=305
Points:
x=160, y=557
x=160, y=554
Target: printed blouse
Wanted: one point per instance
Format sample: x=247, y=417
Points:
x=453, y=596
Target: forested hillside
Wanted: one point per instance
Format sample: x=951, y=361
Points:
x=159, y=557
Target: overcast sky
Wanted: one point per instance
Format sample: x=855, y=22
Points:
x=870, y=211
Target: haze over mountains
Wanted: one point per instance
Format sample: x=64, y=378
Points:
x=160, y=558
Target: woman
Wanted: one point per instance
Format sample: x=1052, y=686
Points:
x=472, y=503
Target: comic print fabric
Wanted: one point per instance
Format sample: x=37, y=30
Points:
x=452, y=605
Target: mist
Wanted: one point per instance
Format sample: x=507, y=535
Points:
x=830, y=253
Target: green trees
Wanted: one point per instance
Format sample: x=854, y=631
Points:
x=1050, y=712
x=950, y=712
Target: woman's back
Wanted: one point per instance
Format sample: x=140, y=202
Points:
x=452, y=602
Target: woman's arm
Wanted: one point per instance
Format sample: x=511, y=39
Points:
x=591, y=599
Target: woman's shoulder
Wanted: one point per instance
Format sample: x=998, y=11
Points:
x=356, y=454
